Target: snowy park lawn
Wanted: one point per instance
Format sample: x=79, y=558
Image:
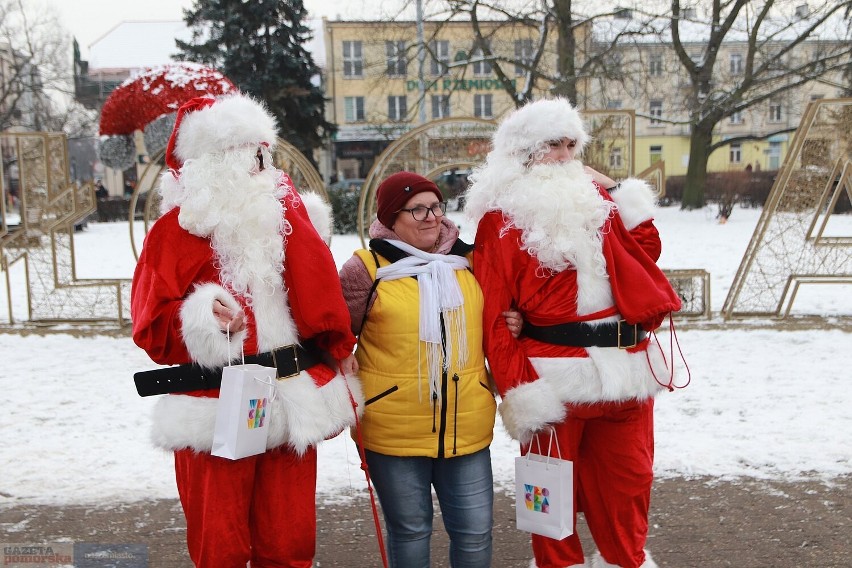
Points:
x=767, y=404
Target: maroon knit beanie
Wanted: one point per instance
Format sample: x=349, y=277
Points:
x=396, y=190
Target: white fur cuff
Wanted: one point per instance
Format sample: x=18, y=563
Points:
x=206, y=343
x=529, y=407
x=636, y=201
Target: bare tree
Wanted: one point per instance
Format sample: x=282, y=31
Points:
x=774, y=35
x=35, y=82
x=570, y=21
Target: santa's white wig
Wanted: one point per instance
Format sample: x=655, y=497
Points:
x=529, y=128
x=522, y=137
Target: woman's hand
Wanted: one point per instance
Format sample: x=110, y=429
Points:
x=514, y=321
x=229, y=321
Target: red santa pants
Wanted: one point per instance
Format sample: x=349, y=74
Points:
x=260, y=509
x=612, y=447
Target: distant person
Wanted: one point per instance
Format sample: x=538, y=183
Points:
x=101, y=192
x=575, y=253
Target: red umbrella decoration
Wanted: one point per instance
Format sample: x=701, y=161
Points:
x=148, y=102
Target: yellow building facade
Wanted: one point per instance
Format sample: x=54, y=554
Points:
x=653, y=83
x=372, y=81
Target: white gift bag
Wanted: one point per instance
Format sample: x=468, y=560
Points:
x=243, y=411
x=544, y=493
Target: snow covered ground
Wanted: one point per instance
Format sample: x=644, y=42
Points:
x=762, y=403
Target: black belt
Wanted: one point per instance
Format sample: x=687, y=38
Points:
x=578, y=334
x=289, y=361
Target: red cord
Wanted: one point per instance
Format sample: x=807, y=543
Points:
x=360, y=445
x=672, y=342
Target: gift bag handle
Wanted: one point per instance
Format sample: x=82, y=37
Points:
x=268, y=382
x=242, y=350
x=549, y=445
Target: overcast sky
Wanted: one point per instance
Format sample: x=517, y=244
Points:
x=88, y=20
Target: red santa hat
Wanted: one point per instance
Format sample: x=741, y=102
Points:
x=396, y=190
x=206, y=125
x=537, y=123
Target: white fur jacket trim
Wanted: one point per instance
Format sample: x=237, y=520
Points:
x=301, y=415
x=319, y=213
x=608, y=374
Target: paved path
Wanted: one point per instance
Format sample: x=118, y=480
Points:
x=697, y=522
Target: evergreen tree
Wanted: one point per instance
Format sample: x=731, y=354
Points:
x=259, y=45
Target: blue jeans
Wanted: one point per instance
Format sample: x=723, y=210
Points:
x=465, y=490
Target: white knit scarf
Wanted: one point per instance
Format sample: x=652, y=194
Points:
x=440, y=295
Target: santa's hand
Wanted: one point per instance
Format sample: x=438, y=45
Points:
x=349, y=366
x=605, y=182
x=229, y=321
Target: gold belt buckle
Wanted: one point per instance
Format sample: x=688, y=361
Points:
x=295, y=359
x=635, y=335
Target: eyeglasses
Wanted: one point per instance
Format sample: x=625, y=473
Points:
x=421, y=212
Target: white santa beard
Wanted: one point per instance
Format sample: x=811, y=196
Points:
x=560, y=214
x=241, y=212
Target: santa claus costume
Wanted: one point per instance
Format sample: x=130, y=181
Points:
x=579, y=263
x=234, y=230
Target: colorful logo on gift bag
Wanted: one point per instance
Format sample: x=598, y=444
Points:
x=536, y=498
x=257, y=412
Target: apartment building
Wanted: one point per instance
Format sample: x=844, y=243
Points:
x=372, y=81
x=647, y=77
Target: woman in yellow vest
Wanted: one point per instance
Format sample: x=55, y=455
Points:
x=429, y=412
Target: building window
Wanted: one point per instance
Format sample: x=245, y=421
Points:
x=737, y=117
x=440, y=56
x=482, y=106
x=736, y=63
x=615, y=158
x=523, y=55
x=480, y=68
x=613, y=104
x=736, y=153
x=774, y=155
x=397, y=107
x=440, y=106
x=354, y=109
x=395, y=53
x=775, y=113
x=353, y=60
x=655, y=66
x=655, y=154
x=656, y=112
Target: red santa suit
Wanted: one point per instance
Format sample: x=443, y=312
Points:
x=257, y=252
x=580, y=255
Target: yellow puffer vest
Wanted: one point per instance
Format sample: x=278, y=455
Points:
x=400, y=419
